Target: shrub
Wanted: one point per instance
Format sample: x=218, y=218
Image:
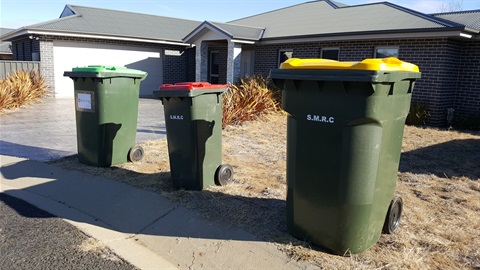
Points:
x=248, y=100
x=418, y=114
x=470, y=123
x=21, y=87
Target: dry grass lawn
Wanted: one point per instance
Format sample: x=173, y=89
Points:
x=438, y=181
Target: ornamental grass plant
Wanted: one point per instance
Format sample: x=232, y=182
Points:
x=21, y=87
x=250, y=99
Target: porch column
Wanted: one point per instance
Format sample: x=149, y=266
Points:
x=233, y=61
x=201, y=62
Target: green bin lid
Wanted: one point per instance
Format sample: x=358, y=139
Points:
x=100, y=71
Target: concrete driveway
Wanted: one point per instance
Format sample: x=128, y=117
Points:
x=47, y=131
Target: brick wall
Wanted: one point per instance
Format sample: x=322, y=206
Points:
x=467, y=96
x=450, y=69
x=191, y=53
x=46, y=64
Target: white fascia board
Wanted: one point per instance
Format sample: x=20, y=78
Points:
x=243, y=41
x=364, y=37
x=63, y=34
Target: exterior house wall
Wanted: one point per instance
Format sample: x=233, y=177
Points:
x=175, y=61
x=450, y=69
x=467, y=96
x=191, y=53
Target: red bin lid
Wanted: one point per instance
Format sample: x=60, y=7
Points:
x=192, y=86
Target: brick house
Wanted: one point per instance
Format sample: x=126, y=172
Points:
x=445, y=46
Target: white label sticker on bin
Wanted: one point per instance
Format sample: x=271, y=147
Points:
x=85, y=101
x=321, y=118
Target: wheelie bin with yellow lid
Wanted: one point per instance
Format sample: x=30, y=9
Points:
x=344, y=135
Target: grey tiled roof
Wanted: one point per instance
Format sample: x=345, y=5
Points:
x=470, y=19
x=323, y=18
x=5, y=46
x=239, y=31
x=119, y=23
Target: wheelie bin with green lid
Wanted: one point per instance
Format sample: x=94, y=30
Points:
x=106, y=109
x=193, y=118
x=344, y=136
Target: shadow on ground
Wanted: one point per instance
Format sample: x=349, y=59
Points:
x=31, y=152
x=456, y=158
x=177, y=213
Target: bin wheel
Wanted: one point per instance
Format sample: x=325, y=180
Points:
x=135, y=154
x=394, y=214
x=224, y=175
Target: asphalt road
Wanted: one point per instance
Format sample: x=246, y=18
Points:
x=31, y=238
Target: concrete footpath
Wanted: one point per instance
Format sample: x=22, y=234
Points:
x=142, y=227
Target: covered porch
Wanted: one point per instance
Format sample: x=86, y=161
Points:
x=221, y=56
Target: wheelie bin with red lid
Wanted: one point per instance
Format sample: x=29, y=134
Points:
x=193, y=118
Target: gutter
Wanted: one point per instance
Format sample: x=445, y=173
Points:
x=368, y=35
x=22, y=32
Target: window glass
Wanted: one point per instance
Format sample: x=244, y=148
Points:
x=283, y=55
x=386, y=52
x=330, y=53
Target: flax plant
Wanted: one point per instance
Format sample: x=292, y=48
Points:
x=249, y=100
x=21, y=87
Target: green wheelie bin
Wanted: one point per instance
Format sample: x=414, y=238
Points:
x=106, y=109
x=193, y=118
x=344, y=136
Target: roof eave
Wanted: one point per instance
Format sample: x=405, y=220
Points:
x=418, y=33
x=25, y=32
x=206, y=25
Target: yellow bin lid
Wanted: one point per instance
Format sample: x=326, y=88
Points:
x=377, y=64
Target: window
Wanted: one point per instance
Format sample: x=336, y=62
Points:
x=382, y=52
x=247, y=63
x=330, y=53
x=283, y=55
x=214, y=67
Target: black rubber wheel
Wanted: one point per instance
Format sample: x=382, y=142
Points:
x=135, y=154
x=224, y=175
x=394, y=215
